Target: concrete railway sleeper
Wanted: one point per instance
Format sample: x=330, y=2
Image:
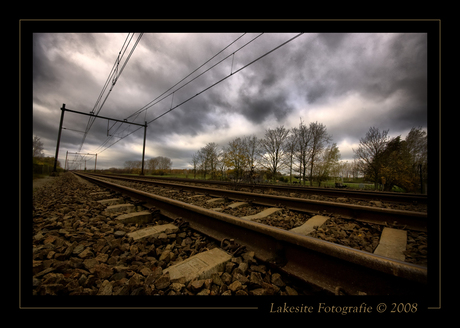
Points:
x=83, y=246
x=335, y=266
x=412, y=247
x=377, y=215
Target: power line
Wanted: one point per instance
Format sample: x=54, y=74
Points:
x=151, y=103
x=226, y=77
x=114, y=75
x=110, y=77
x=209, y=87
x=145, y=107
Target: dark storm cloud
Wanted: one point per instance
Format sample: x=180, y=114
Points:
x=357, y=80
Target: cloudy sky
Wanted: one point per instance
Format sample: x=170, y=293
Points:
x=348, y=82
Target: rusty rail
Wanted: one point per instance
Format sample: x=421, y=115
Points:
x=325, y=265
x=331, y=192
x=412, y=220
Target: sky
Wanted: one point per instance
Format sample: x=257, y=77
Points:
x=346, y=81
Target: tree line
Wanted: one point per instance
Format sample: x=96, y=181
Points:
x=158, y=166
x=306, y=152
x=42, y=165
x=390, y=162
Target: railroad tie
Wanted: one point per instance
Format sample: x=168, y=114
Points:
x=263, y=214
x=308, y=227
x=112, y=201
x=135, y=217
x=216, y=201
x=238, y=204
x=153, y=231
x=121, y=207
x=392, y=244
x=199, y=266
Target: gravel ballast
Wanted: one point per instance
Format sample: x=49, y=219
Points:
x=80, y=249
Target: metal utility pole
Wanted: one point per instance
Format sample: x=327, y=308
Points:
x=95, y=160
x=54, y=173
x=65, y=165
x=63, y=109
x=143, y=148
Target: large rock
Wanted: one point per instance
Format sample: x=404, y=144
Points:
x=103, y=271
x=163, y=282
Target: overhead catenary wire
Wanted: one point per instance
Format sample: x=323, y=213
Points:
x=148, y=105
x=209, y=87
x=153, y=102
x=226, y=77
x=114, y=75
x=109, y=78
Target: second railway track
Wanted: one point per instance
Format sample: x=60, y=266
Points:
x=336, y=266
x=390, y=197
x=410, y=219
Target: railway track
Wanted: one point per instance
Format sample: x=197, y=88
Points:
x=326, y=265
x=391, y=197
x=376, y=215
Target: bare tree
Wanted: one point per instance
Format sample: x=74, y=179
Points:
x=250, y=144
x=319, y=140
x=152, y=165
x=164, y=163
x=208, y=157
x=195, y=163
x=327, y=163
x=369, y=151
x=235, y=157
x=291, y=145
x=133, y=166
x=37, y=146
x=302, y=151
x=159, y=165
x=272, y=150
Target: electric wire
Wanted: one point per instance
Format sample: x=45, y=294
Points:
x=209, y=87
x=148, y=104
x=114, y=75
x=226, y=77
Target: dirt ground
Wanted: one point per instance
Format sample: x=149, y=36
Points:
x=38, y=183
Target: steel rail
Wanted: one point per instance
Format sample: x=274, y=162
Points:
x=332, y=192
x=327, y=266
x=412, y=220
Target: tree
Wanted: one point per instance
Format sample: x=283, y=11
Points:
x=152, y=165
x=402, y=159
x=368, y=153
x=133, y=166
x=208, y=157
x=159, y=165
x=327, y=163
x=417, y=147
x=164, y=163
x=395, y=166
x=250, y=144
x=194, y=162
x=319, y=140
x=291, y=144
x=235, y=157
x=37, y=147
x=302, y=153
x=272, y=149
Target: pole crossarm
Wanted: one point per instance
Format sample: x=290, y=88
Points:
x=63, y=110
x=103, y=117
